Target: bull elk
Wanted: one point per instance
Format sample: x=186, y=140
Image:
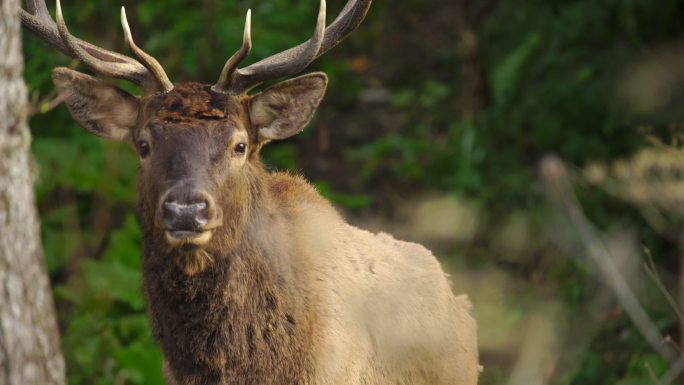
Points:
x=251, y=276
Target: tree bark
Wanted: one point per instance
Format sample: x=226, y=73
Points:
x=29, y=340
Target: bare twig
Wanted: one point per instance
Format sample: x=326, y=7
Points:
x=674, y=371
x=652, y=375
x=672, y=343
x=650, y=268
x=47, y=104
x=50, y=101
x=560, y=192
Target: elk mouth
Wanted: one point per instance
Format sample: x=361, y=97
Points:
x=190, y=255
x=179, y=238
x=189, y=225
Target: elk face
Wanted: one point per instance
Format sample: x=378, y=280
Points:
x=192, y=144
x=198, y=148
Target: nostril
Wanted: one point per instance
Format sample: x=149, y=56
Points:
x=202, y=213
x=172, y=207
x=181, y=216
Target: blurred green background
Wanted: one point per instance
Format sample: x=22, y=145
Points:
x=436, y=119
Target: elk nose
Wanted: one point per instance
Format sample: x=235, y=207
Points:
x=185, y=216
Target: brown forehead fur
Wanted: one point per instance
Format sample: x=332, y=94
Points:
x=189, y=102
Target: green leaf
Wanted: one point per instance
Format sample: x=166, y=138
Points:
x=507, y=74
x=124, y=245
x=114, y=281
x=141, y=362
x=349, y=201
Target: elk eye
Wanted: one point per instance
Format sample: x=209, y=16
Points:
x=143, y=148
x=240, y=148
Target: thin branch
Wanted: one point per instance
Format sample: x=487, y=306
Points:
x=675, y=370
x=50, y=101
x=652, y=374
x=48, y=104
x=650, y=268
x=560, y=192
x=673, y=344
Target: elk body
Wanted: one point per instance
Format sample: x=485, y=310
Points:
x=251, y=276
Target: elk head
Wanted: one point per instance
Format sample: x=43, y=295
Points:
x=198, y=143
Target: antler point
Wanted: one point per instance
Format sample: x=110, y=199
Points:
x=59, y=12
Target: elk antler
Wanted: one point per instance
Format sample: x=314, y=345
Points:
x=231, y=65
x=146, y=73
x=156, y=70
x=295, y=59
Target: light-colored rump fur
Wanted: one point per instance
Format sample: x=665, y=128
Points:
x=388, y=315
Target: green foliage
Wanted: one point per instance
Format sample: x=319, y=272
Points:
x=107, y=336
x=507, y=75
x=350, y=201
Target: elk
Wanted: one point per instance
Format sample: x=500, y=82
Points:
x=251, y=276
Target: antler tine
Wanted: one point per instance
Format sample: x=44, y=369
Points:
x=244, y=79
x=279, y=65
x=116, y=70
x=156, y=70
x=41, y=25
x=37, y=8
x=231, y=65
x=104, y=62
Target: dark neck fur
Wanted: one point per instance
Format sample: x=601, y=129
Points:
x=243, y=319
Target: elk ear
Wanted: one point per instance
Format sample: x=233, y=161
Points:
x=99, y=107
x=285, y=108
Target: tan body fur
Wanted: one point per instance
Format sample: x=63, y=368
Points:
x=387, y=314
x=382, y=311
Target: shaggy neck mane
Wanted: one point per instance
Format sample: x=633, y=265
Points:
x=238, y=321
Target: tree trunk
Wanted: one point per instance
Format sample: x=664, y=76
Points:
x=29, y=341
